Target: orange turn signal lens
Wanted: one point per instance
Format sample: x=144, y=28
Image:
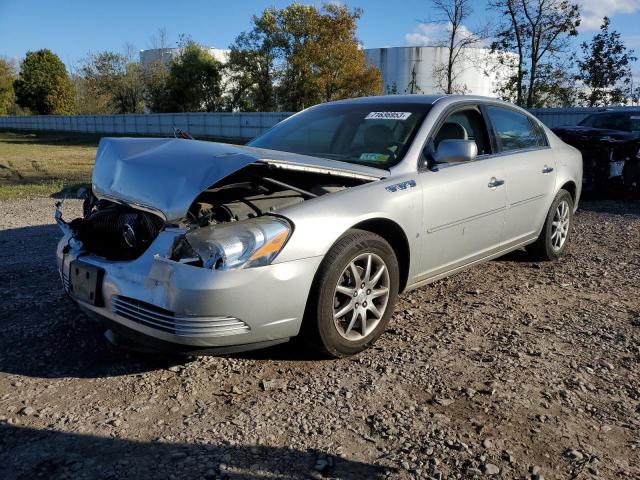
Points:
x=272, y=246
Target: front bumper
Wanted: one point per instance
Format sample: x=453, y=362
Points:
x=194, y=308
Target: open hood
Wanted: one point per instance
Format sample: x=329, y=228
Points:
x=166, y=175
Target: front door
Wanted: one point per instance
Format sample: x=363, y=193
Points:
x=464, y=203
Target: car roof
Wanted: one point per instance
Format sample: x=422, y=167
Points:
x=413, y=98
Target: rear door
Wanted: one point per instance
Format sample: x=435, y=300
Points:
x=530, y=172
x=464, y=204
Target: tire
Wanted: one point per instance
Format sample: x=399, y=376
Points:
x=334, y=291
x=552, y=243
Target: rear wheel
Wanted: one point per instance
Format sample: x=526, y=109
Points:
x=554, y=236
x=353, y=295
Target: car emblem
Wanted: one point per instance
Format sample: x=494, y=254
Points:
x=129, y=235
x=401, y=186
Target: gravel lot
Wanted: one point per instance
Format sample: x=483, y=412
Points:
x=511, y=369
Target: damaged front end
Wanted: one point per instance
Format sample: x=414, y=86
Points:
x=111, y=230
x=158, y=253
x=233, y=224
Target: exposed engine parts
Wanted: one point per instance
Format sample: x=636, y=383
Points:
x=256, y=190
x=120, y=232
x=113, y=231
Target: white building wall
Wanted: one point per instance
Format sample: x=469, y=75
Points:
x=166, y=55
x=477, y=69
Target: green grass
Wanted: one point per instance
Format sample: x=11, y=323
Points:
x=36, y=164
x=44, y=164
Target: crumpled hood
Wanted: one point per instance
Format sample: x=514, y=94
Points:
x=167, y=174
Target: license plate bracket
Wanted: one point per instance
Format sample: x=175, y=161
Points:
x=85, y=282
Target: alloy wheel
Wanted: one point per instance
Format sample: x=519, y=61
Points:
x=560, y=225
x=361, y=296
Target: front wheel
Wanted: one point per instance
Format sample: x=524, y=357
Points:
x=554, y=236
x=353, y=295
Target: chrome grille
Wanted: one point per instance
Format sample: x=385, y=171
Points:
x=168, y=321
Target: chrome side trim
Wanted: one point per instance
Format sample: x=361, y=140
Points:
x=526, y=200
x=465, y=220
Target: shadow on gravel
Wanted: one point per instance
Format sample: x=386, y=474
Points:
x=45, y=335
x=29, y=453
x=59, y=342
x=520, y=256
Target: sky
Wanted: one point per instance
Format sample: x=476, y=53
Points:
x=73, y=28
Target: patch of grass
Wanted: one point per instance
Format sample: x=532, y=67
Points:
x=44, y=164
x=36, y=164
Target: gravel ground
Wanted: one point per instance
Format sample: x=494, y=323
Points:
x=512, y=370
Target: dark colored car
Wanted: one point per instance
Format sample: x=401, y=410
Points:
x=610, y=146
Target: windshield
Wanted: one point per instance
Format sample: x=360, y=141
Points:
x=374, y=134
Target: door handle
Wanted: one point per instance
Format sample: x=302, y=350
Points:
x=494, y=182
x=547, y=169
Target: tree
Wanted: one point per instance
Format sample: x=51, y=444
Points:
x=413, y=86
x=43, y=85
x=510, y=38
x=156, y=78
x=555, y=86
x=391, y=89
x=252, y=69
x=537, y=32
x=605, y=68
x=7, y=96
x=325, y=62
x=87, y=101
x=298, y=56
x=115, y=80
x=194, y=83
x=454, y=13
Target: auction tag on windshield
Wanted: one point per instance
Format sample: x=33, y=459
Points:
x=374, y=157
x=388, y=116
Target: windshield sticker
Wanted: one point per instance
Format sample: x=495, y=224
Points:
x=374, y=157
x=388, y=116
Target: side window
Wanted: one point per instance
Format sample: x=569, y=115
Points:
x=542, y=137
x=513, y=130
x=466, y=124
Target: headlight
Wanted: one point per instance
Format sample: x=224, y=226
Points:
x=249, y=243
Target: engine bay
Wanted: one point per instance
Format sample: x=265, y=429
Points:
x=117, y=231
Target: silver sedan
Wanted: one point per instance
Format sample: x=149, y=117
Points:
x=315, y=227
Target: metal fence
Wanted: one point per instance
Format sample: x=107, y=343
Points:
x=228, y=126
x=554, y=117
x=224, y=126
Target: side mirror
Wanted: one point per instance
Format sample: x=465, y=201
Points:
x=456, y=151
